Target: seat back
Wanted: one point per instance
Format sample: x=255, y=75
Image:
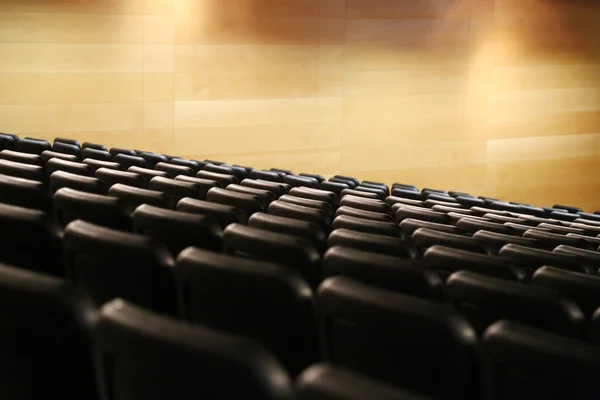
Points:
x=96, y=154
x=33, y=146
x=531, y=259
x=301, y=181
x=223, y=179
x=289, y=226
x=133, y=197
x=278, y=189
x=424, y=238
x=70, y=205
x=371, y=242
x=47, y=155
x=366, y=225
x=24, y=171
x=250, y=203
x=110, y=177
x=176, y=189
x=24, y=193
x=174, y=170
x=302, y=213
x=61, y=179
x=370, y=215
x=222, y=213
x=23, y=158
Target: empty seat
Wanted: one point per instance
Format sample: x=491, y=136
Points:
x=334, y=187
x=379, y=185
x=301, y=201
x=365, y=204
x=301, y=181
x=583, y=289
x=174, y=170
x=289, y=226
x=405, y=212
x=133, y=197
x=94, y=146
x=401, y=339
x=97, y=164
x=371, y=242
x=70, y=205
x=485, y=300
x=61, y=179
x=176, y=189
x=224, y=180
x=30, y=239
x=96, y=154
x=349, y=182
x=428, y=191
x=277, y=189
x=443, y=198
x=392, y=200
x=224, y=214
x=405, y=186
x=318, y=177
x=358, y=193
x=153, y=159
x=315, y=194
x=23, y=158
x=591, y=230
x=348, y=178
x=532, y=259
x=247, y=202
x=328, y=382
x=25, y=171
x=594, y=241
x=366, y=225
x=410, y=225
x=67, y=148
x=378, y=191
x=474, y=225
x=502, y=219
x=110, y=177
x=468, y=201
x=108, y=263
x=177, y=229
x=127, y=161
x=193, y=165
x=270, y=176
x=293, y=251
x=407, y=193
x=45, y=338
x=494, y=241
x=481, y=211
x=8, y=142
x=288, y=210
x=369, y=215
x=77, y=168
x=147, y=174
x=590, y=257
x=504, y=206
x=523, y=363
x=393, y=273
x=551, y=240
x=73, y=142
x=47, y=155
x=154, y=357
x=33, y=146
x=424, y=238
x=564, y=216
x=264, y=301
x=266, y=195
x=114, y=151
x=589, y=216
x=448, y=260
x=24, y=193
x=447, y=209
x=570, y=209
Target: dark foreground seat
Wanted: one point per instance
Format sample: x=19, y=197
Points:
x=265, y=301
x=45, y=338
x=107, y=211
x=144, y=356
x=24, y=193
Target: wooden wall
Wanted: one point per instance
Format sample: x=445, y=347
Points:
x=496, y=97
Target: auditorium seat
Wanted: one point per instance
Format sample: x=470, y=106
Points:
x=311, y=203
x=282, y=172
x=96, y=154
x=328, y=382
x=24, y=193
x=266, y=195
x=365, y=204
x=531, y=259
x=224, y=180
x=278, y=189
x=410, y=225
x=268, y=302
x=435, y=206
x=48, y=154
x=289, y=210
x=468, y=201
x=193, y=165
x=24, y=171
x=594, y=241
x=371, y=242
x=8, y=142
x=366, y=225
x=114, y=151
x=379, y=185
x=248, y=202
x=405, y=186
x=348, y=178
x=132, y=197
x=315, y=194
x=407, y=341
x=349, y=182
x=288, y=250
x=333, y=187
x=564, y=216
x=108, y=263
x=424, y=238
x=152, y=159
x=45, y=338
x=589, y=216
x=270, y=176
x=392, y=200
x=358, y=193
x=379, y=192
x=474, y=225
x=73, y=142
x=550, y=240
x=24, y=158
x=318, y=177
x=301, y=181
x=67, y=148
x=523, y=363
x=397, y=274
x=485, y=300
x=591, y=257
x=97, y=164
x=289, y=226
x=494, y=241
x=144, y=356
x=176, y=189
x=110, y=177
x=205, y=184
x=588, y=230
x=174, y=170
x=407, y=193
x=224, y=214
x=33, y=146
x=77, y=168
x=423, y=214
x=61, y=179
x=127, y=161
x=177, y=229
x=70, y=205
x=368, y=215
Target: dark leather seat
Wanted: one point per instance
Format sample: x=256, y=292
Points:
x=147, y=174
x=594, y=241
x=523, y=363
x=366, y=204
x=270, y=176
x=405, y=186
x=108, y=263
x=25, y=171
x=48, y=154
x=24, y=193
x=70, y=205
x=289, y=250
x=278, y=189
x=266, y=195
x=404, y=340
x=133, y=197
x=494, y=241
x=45, y=338
x=127, y=161
x=436, y=206
x=371, y=242
x=589, y=230
x=348, y=178
x=110, y=177
x=368, y=215
x=96, y=154
x=224, y=180
x=502, y=219
x=114, y=151
x=481, y=211
x=77, y=168
x=174, y=170
x=329, y=382
x=31, y=240
x=392, y=200
x=289, y=226
x=268, y=302
x=407, y=193
x=224, y=214
x=301, y=181
x=379, y=185
x=366, y=225
x=443, y=198
x=397, y=274
x=8, y=142
x=73, y=142
x=247, y=202
x=590, y=257
x=24, y=158
x=315, y=194
x=152, y=159
x=67, y=148
x=570, y=209
x=311, y=203
x=176, y=189
x=474, y=225
x=469, y=201
x=564, y=216
x=33, y=146
x=193, y=165
x=485, y=300
x=318, y=177
x=95, y=146
x=378, y=191
x=61, y=179
x=504, y=206
x=177, y=229
x=333, y=187
x=154, y=357
x=302, y=213
x=531, y=259
x=423, y=214
x=550, y=240
x=352, y=183
x=358, y=193
x=410, y=225
x=589, y=216
x=424, y=238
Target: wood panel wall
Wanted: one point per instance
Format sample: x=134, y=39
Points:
x=496, y=97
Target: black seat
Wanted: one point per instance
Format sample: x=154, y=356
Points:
x=392, y=200
x=302, y=201
x=583, y=289
x=570, y=209
x=266, y=195
x=371, y=242
x=366, y=225
x=237, y=295
x=24, y=193
x=174, y=170
x=328, y=382
x=561, y=229
x=348, y=178
x=469, y=201
x=405, y=212
x=147, y=174
x=523, y=363
x=502, y=219
x=289, y=226
x=404, y=340
x=494, y=241
x=67, y=148
x=474, y=225
x=110, y=177
x=589, y=216
x=73, y=142
x=61, y=179
x=25, y=171
x=47, y=155
x=378, y=191
x=77, y=168
x=301, y=181
x=534, y=211
x=97, y=164
x=31, y=240
x=221, y=169
x=424, y=238
x=270, y=176
x=278, y=189
x=95, y=146
x=405, y=186
x=379, y=185
x=564, y=216
x=24, y=158
x=96, y=154
x=133, y=197
x=205, y=184
x=594, y=241
x=358, y=193
x=318, y=177
x=114, y=151
x=33, y=146
x=284, y=249
x=177, y=229
x=407, y=193
x=107, y=211
x=435, y=206
x=193, y=165
x=176, y=189
x=442, y=197
x=392, y=273
x=153, y=159
x=288, y=210
x=8, y=142
x=590, y=257
x=127, y=161
x=333, y=187
x=250, y=203
x=366, y=204
x=448, y=260
x=45, y=338
x=368, y=215
x=224, y=180
x=108, y=263
x=590, y=230
x=222, y=213
x=504, y=206
x=485, y=300
x=315, y=194
x=152, y=357
x=410, y=225
x=481, y=211
x=348, y=182
x=550, y=240
x=531, y=259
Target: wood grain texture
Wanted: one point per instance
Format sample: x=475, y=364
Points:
x=495, y=97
